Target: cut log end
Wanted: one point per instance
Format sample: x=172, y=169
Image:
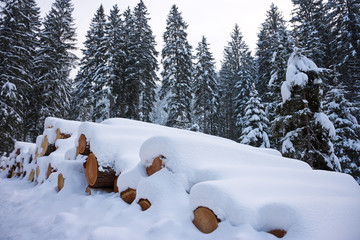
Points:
x=49, y=171
x=60, y=181
x=44, y=146
x=128, y=195
x=156, y=166
x=37, y=171
x=88, y=190
x=96, y=178
x=60, y=135
x=32, y=175
x=83, y=146
x=144, y=204
x=279, y=233
x=205, y=220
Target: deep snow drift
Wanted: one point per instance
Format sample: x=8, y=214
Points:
x=250, y=190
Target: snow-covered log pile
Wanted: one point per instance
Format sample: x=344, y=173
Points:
x=170, y=179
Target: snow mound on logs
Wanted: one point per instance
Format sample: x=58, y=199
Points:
x=173, y=184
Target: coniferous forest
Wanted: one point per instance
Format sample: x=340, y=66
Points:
x=299, y=92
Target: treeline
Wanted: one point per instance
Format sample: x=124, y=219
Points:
x=276, y=98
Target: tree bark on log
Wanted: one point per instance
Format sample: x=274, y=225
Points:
x=96, y=178
x=61, y=181
x=205, y=220
x=279, y=233
x=144, y=204
x=128, y=195
x=156, y=166
x=84, y=147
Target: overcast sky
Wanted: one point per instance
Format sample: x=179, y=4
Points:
x=213, y=19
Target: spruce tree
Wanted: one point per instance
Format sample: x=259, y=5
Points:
x=206, y=96
x=236, y=76
x=177, y=72
x=306, y=132
x=91, y=85
x=255, y=123
x=18, y=42
x=55, y=61
x=346, y=143
x=274, y=48
x=344, y=18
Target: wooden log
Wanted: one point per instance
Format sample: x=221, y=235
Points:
x=84, y=147
x=157, y=165
x=88, y=190
x=50, y=171
x=205, y=220
x=60, y=135
x=46, y=147
x=32, y=175
x=128, y=195
x=37, y=171
x=96, y=178
x=279, y=233
x=60, y=182
x=144, y=204
x=116, y=189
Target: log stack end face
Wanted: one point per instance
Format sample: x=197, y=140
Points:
x=205, y=220
x=156, y=165
x=91, y=169
x=83, y=146
x=61, y=181
x=128, y=195
x=144, y=204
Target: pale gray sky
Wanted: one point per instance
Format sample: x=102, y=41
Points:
x=213, y=19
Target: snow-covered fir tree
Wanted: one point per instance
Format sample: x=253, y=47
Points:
x=19, y=28
x=140, y=74
x=274, y=48
x=346, y=143
x=206, y=93
x=311, y=30
x=55, y=61
x=177, y=72
x=91, y=89
x=344, y=17
x=116, y=57
x=306, y=132
x=236, y=76
x=255, y=122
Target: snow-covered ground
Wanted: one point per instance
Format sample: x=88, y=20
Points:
x=252, y=191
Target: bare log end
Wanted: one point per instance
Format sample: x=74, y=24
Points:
x=128, y=195
x=205, y=220
x=144, y=204
x=50, y=171
x=84, y=147
x=88, y=190
x=32, y=175
x=61, y=181
x=96, y=178
x=156, y=166
x=60, y=135
x=37, y=171
x=279, y=233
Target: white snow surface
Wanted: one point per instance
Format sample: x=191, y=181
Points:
x=251, y=190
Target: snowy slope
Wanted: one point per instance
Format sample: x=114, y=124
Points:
x=251, y=190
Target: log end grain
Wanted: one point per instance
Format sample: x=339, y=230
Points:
x=144, y=204
x=49, y=171
x=156, y=166
x=88, y=190
x=37, y=171
x=44, y=146
x=32, y=175
x=60, y=135
x=279, y=233
x=205, y=220
x=91, y=169
x=128, y=195
x=83, y=146
x=61, y=181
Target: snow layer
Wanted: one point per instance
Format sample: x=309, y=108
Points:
x=251, y=190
